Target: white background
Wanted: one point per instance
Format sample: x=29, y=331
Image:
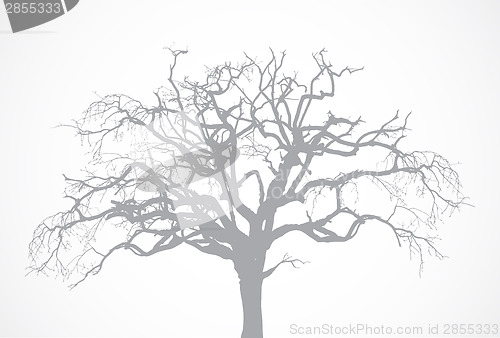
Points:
x=439, y=59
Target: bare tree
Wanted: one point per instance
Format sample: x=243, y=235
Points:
x=213, y=161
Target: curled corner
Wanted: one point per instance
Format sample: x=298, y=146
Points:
x=26, y=14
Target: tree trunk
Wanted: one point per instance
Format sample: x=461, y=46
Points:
x=251, y=297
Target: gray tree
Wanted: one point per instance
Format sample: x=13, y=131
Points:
x=211, y=162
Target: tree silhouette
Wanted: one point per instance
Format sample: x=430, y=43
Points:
x=211, y=162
